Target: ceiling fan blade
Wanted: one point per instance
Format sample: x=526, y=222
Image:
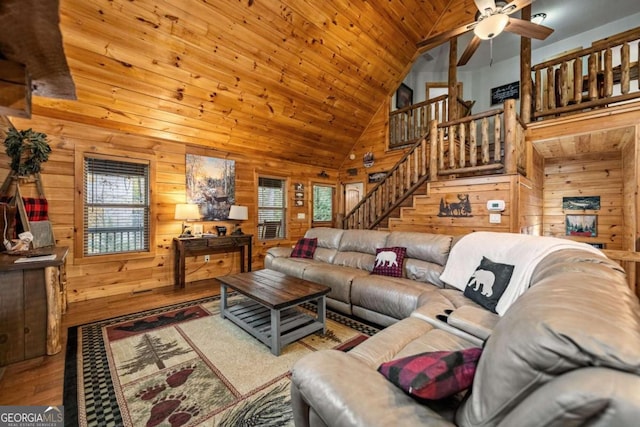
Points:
x=516, y=5
x=528, y=29
x=438, y=39
x=483, y=5
x=469, y=51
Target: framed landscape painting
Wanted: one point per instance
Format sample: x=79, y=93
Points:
x=581, y=225
x=211, y=184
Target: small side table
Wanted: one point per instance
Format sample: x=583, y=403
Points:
x=193, y=246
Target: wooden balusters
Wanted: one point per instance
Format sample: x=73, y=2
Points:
x=577, y=80
x=484, y=142
x=624, y=68
x=473, y=144
x=607, y=81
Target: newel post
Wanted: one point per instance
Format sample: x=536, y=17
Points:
x=433, y=151
x=510, y=135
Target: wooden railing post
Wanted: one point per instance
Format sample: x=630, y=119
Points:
x=433, y=151
x=510, y=123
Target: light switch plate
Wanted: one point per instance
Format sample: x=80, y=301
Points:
x=495, y=218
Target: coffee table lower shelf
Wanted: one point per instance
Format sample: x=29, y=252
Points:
x=275, y=327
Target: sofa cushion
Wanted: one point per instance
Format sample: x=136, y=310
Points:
x=393, y=296
x=358, y=260
x=389, y=261
x=423, y=246
x=423, y=271
x=290, y=266
x=327, y=237
x=305, y=248
x=433, y=375
x=488, y=283
x=363, y=241
x=337, y=278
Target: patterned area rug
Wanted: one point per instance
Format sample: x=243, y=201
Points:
x=184, y=365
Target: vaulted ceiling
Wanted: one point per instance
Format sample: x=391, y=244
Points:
x=294, y=79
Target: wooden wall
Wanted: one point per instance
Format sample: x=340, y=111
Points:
x=597, y=174
x=423, y=216
x=87, y=281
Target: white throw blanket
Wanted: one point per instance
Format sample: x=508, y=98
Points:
x=522, y=251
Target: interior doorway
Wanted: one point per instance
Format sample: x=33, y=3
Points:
x=353, y=193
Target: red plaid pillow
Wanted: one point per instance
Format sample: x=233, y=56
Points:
x=433, y=375
x=305, y=248
x=36, y=209
x=389, y=261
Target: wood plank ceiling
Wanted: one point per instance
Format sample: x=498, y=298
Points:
x=296, y=79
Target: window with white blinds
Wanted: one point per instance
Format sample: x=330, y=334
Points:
x=116, y=206
x=322, y=203
x=271, y=208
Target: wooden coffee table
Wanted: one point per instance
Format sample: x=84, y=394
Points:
x=270, y=313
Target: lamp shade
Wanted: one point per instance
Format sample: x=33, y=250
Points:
x=187, y=211
x=491, y=26
x=239, y=212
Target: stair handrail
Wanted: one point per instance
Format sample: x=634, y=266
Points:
x=421, y=142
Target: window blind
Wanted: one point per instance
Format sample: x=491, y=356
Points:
x=116, y=206
x=271, y=206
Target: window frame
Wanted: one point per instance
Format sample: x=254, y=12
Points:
x=285, y=206
x=119, y=156
x=329, y=223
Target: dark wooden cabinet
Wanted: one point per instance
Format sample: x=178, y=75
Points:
x=30, y=307
x=193, y=246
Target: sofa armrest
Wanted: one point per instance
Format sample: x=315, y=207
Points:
x=474, y=320
x=589, y=396
x=279, y=251
x=342, y=391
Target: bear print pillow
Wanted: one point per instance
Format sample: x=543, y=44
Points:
x=488, y=283
x=389, y=261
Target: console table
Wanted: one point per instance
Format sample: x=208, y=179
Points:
x=32, y=300
x=192, y=246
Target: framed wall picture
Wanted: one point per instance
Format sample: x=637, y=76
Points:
x=502, y=93
x=581, y=203
x=581, y=225
x=404, y=96
x=211, y=184
x=299, y=203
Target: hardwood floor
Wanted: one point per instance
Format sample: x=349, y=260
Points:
x=39, y=381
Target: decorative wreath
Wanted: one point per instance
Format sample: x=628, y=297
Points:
x=27, y=150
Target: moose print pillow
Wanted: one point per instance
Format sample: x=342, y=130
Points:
x=389, y=261
x=488, y=283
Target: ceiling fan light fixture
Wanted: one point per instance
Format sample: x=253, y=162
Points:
x=491, y=26
x=538, y=18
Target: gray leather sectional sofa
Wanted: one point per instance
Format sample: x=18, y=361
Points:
x=567, y=352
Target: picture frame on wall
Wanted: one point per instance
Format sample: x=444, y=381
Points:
x=211, y=184
x=404, y=96
x=581, y=225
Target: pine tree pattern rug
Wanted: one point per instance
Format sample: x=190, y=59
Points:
x=184, y=365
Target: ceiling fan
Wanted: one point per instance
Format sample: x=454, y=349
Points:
x=491, y=19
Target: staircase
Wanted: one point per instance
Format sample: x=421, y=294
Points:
x=486, y=143
x=408, y=174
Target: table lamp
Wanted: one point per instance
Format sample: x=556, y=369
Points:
x=239, y=213
x=187, y=212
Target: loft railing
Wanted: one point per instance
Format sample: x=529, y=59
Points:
x=590, y=78
x=407, y=125
x=489, y=142
x=492, y=141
